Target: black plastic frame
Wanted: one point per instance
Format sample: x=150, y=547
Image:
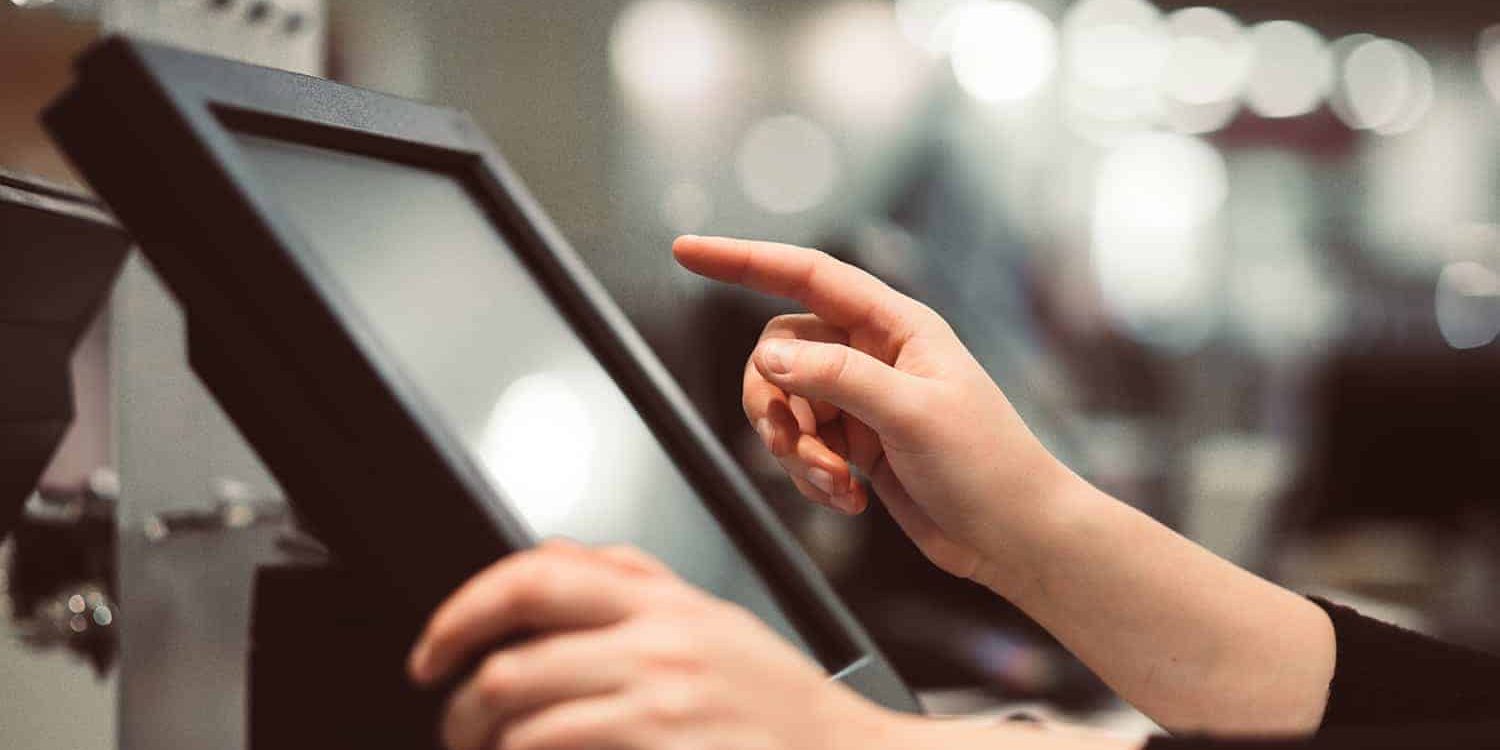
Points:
x=152, y=128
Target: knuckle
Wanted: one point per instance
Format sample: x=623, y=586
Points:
x=496, y=681
x=666, y=651
x=536, y=587
x=670, y=705
x=831, y=365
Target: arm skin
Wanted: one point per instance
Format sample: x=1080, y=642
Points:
x=874, y=381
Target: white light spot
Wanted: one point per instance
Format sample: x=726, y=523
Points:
x=1386, y=86
x=1160, y=181
x=854, y=58
x=672, y=53
x=1197, y=119
x=1155, y=195
x=1115, y=44
x=1210, y=58
x=1292, y=72
x=1468, y=305
x=1003, y=51
x=787, y=164
x=539, y=445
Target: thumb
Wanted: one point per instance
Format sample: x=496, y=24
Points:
x=872, y=391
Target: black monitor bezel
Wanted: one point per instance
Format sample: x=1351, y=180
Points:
x=302, y=360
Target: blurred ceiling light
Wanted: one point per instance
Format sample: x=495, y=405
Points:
x=1386, y=86
x=1209, y=59
x=1198, y=119
x=672, y=53
x=787, y=164
x=686, y=207
x=854, y=58
x=1468, y=305
x=1115, y=44
x=538, y=444
x=1292, y=71
x=1160, y=181
x=1489, y=59
x=1422, y=94
x=930, y=24
x=1155, y=196
x=30, y=3
x=1003, y=50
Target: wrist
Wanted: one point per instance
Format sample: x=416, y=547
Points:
x=1039, y=527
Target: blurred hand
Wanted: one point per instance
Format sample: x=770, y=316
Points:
x=626, y=655
x=875, y=379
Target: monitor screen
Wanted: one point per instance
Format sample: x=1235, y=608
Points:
x=484, y=346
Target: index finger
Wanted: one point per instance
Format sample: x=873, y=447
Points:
x=833, y=290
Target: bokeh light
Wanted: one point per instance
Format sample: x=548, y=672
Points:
x=855, y=60
x=1114, y=52
x=673, y=53
x=1160, y=181
x=1003, y=51
x=1468, y=304
x=1385, y=86
x=1198, y=119
x=1209, y=59
x=1292, y=72
x=1115, y=44
x=787, y=164
x=1155, y=197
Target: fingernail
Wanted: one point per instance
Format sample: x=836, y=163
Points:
x=821, y=479
x=767, y=433
x=777, y=356
x=844, y=503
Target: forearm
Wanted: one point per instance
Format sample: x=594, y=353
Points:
x=1193, y=641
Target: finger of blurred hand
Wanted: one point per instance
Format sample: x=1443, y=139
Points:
x=833, y=290
x=631, y=558
x=547, y=588
x=588, y=724
x=877, y=394
x=528, y=677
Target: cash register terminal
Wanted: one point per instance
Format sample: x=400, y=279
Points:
x=415, y=352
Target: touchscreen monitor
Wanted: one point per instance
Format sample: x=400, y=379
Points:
x=464, y=319
x=412, y=347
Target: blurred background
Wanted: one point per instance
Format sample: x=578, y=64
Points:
x=1237, y=263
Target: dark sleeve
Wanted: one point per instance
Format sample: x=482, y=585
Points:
x=1389, y=676
x=1482, y=736
x=1392, y=689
